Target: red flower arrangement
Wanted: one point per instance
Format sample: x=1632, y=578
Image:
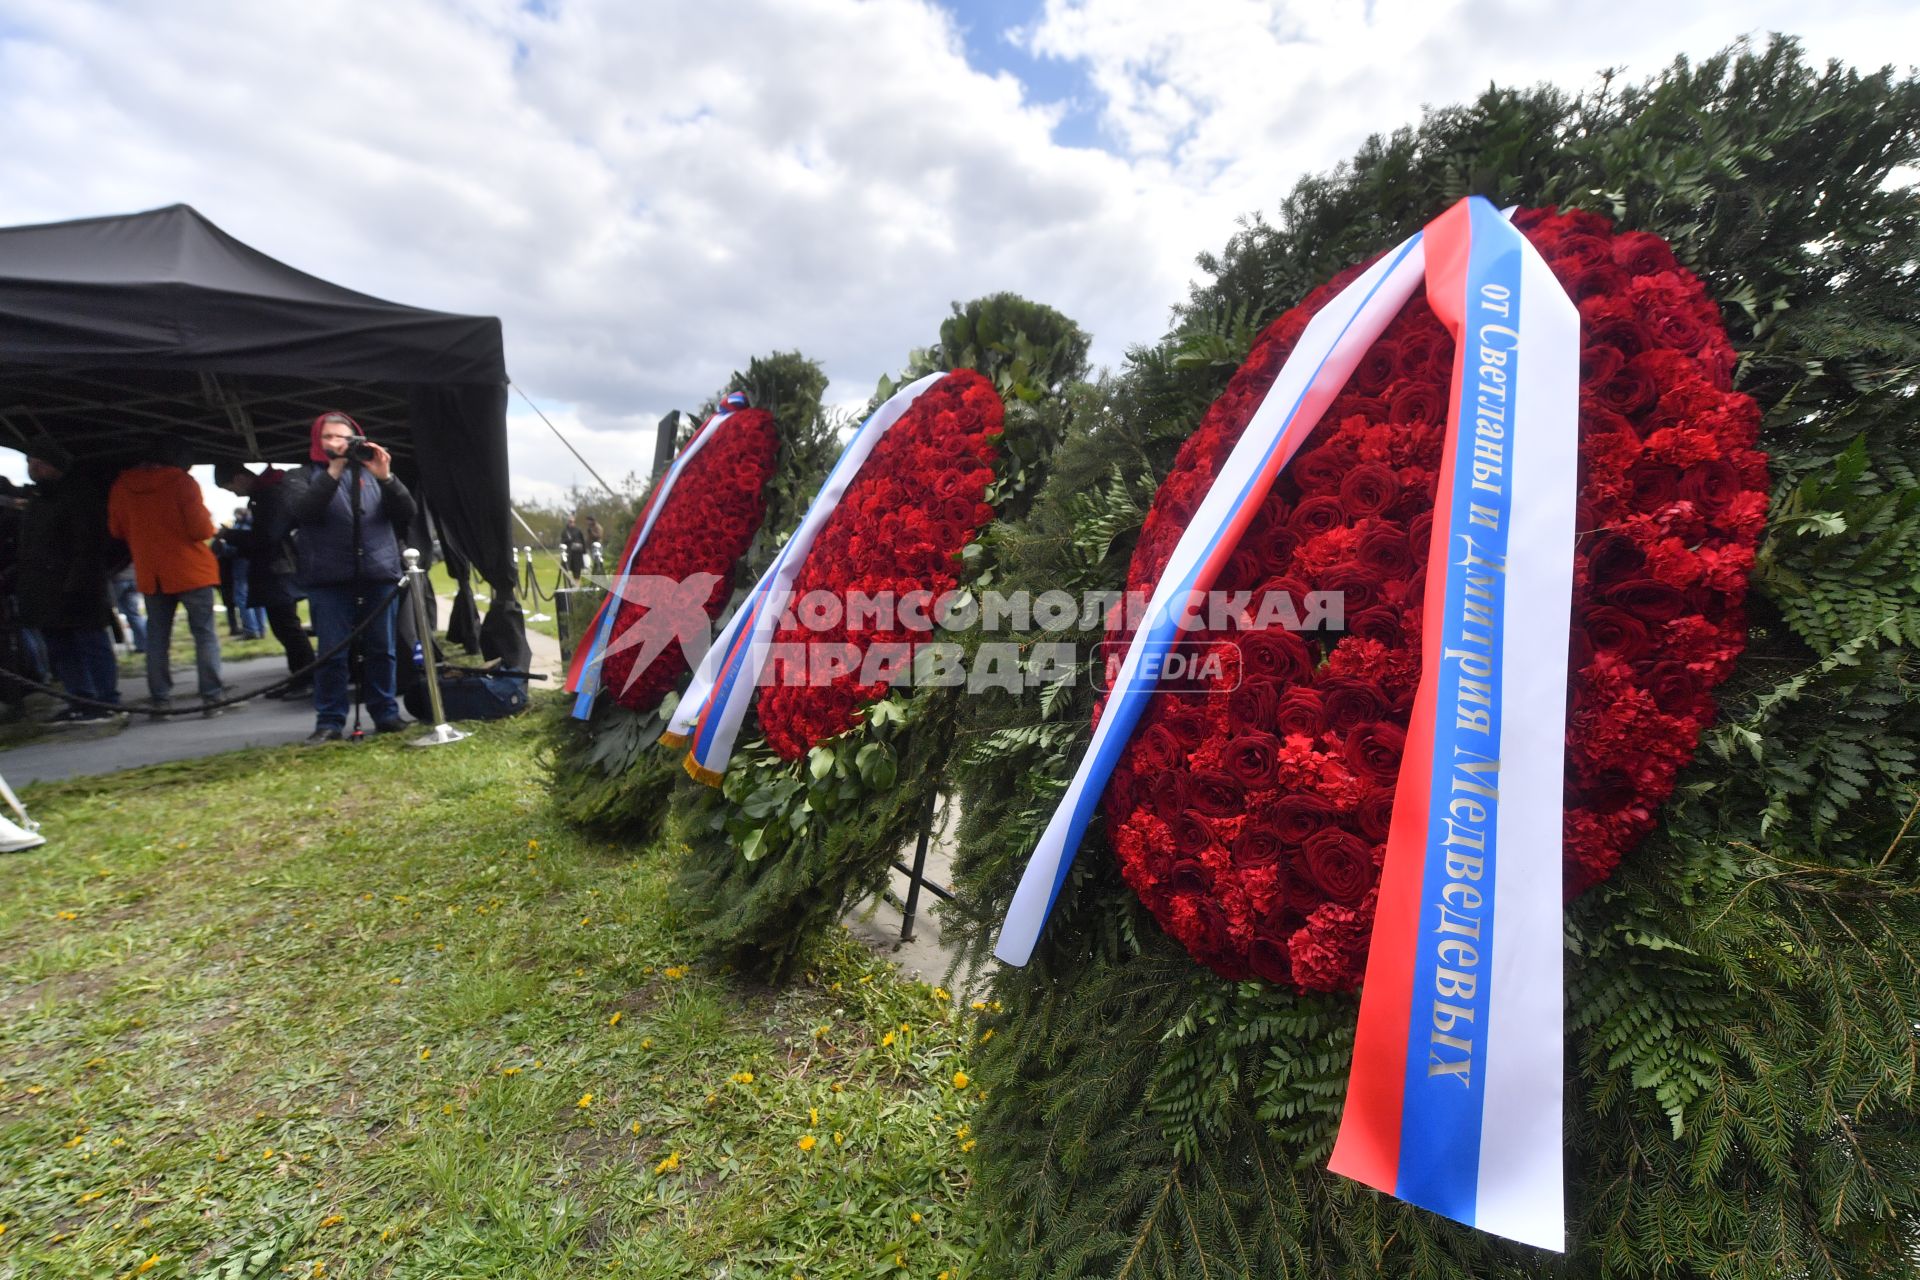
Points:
x=918, y=500
x=708, y=523
x=1252, y=818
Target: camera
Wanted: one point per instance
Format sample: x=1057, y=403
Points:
x=358, y=450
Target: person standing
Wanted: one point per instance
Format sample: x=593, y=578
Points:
x=260, y=537
x=596, y=537
x=573, y=547
x=349, y=511
x=62, y=581
x=156, y=509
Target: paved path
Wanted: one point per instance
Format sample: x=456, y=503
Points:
x=88, y=750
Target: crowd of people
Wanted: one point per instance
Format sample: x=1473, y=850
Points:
x=85, y=556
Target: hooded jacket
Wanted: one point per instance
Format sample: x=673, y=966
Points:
x=158, y=512
x=322, y=508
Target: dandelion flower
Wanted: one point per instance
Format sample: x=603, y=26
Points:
x=960, y=1079
x=586, y=1100
x=153, y=1260
x=509, y=1071
x=668, y=1165
x=333, y=1220
x=886, y=1041
x=978, y=1006
x=986, y=1035
x=968, y=1144
x=647, y=1043
x=614, y=1021
x=675, y=972
x=425, y=1054
x=807, y=1142
x=742, y=1077
x=634, y=1128
x=813, y=1117
x=915, y=1217
x=533, y=844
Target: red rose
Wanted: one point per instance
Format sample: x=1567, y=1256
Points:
x=1297, y=817
x=1373, y=750
x=1299, y=711
x=1374, y=817
x=1340, y=863
x=1259, y=845
x=1251, y=758
x=1217, y=793
x=1615, y=631
x=1317, y=515
x=1274, y=655
x=1350, y=703
x=1640, y=253
x=1368, y=489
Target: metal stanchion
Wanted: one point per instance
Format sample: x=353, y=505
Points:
x=423, y=628
x=599, y=561
x=532, y=591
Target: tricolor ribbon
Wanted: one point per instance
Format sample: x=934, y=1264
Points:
x=1454, y=1096
x=584, y=672
x=709, y=716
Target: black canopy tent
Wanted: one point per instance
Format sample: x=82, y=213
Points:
x=115, y=331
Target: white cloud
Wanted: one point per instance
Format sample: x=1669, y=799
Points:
x=650, y=195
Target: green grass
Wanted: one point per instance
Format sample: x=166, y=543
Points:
x=352, y=1012
x=547, y=570
x=180, y=649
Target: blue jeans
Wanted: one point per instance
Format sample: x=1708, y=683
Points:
x=335, y=612
x=253, y=619
x=126, y=598
x=206, y=642
x=82, y=657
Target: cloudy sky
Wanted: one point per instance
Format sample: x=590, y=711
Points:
x=648, y=194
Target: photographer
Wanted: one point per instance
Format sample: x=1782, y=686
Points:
x=348, y=510
x=263, y=547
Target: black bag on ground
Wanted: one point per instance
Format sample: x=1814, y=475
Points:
x=469, y=695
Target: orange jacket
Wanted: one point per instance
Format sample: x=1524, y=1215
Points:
x=157, y=511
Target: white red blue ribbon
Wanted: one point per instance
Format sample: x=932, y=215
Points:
x=710, y=713
x=1454, y=1098
x=1455, y=1095
x=584, y=674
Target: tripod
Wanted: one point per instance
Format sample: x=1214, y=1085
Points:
x=356, y=655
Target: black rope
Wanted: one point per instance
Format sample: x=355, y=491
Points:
x=203, y=707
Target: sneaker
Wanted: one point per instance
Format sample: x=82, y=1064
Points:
x=157, y=707
x=87, y=715
x=320, y=736
x=292, y=693
x=394, y=725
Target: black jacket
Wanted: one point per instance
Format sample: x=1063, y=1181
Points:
x=64, y=557
x=264, y=545
x=323, y=517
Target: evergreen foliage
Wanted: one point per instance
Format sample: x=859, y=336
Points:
x=785, y=847
x=606, y=774
x=1743, y=995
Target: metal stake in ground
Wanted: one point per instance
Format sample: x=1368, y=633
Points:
x=423, y=627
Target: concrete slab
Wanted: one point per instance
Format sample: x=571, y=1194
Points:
x=88, y=750
x=925, y=957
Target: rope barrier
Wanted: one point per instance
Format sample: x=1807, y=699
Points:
x=200, y=709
